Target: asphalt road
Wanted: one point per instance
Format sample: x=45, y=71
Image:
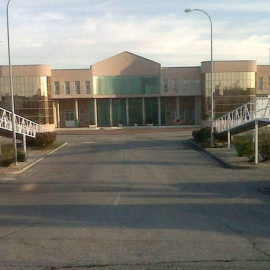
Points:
x=144, y=201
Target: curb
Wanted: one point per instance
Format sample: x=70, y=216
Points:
x=221, y=161
x=34, y=162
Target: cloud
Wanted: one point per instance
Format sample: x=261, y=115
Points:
x=261, y=6
x=68, y=34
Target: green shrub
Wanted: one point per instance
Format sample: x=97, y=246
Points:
x=223, y=137
x=202, y=134
x=7, y=162
x=206, y=143
x=21, y=157
x=7, y=155
x=244, y=146
x=264, y=146
x=149, y=120
x=42, y=140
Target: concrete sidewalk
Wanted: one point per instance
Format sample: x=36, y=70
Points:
x=126, y=130
x=33, y=157
x=230, y=158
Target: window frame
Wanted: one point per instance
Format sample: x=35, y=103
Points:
x=67, y=87
x=186, y=83
x=78, y=87
x=176, y=85
x=166, y=85
x=57, y=88
x=69, y=113
x=87, y=87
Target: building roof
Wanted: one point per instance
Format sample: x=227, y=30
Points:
x=126, y=52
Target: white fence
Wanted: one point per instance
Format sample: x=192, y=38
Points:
x=257, y=109
x=23, y=126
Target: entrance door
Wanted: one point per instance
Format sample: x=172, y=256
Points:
x=103, y=112
x=69, y=119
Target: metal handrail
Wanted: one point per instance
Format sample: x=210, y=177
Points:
x=23, y=125
x=258, y=108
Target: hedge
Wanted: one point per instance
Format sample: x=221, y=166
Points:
x=42, y=140
x=7, y=155
x=203, y=136
x=245, y=146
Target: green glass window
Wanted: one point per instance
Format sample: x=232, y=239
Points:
x=135, y=111
x=92, y=112
x=163, y=110
x=119, y=111
x=151, y=111
x=231, y=90
x=32, y=97
x=126, y=85
x=103, y=106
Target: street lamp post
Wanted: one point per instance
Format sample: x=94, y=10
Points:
x=212, y=71
x=11, y=90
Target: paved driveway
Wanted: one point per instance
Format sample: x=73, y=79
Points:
x=144, y=201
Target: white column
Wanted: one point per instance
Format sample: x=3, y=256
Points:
x=159, y=111
x=58, y=114
x=76, y=110
x=127, y=112
x=229, y=139
x=96, y=111
x=24, y=144
x=177, y=108
x=54, y=114
x=111, y=113
x=256, y=142
x=143, y=111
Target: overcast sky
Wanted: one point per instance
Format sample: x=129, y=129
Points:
x=78, y=33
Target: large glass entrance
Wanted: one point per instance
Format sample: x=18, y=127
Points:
x=119, y=111
x=92, y=112
x=135, y=111
x=103, y=109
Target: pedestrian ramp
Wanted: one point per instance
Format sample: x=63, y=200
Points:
x=250, y=116
x=23, y=125
x=245, y=117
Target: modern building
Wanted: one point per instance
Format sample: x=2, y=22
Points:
x=128, y=89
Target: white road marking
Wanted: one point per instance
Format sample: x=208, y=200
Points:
x=240, y=196
x=7, y=178
x=87, y=142
x=111, y=128
x=117, y=200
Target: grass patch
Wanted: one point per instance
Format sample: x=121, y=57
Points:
x=52, y=146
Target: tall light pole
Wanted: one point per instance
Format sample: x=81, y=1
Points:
x=11, y=91
x=212, y=71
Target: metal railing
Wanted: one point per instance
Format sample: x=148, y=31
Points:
x=23, y=125
x=257, y=109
